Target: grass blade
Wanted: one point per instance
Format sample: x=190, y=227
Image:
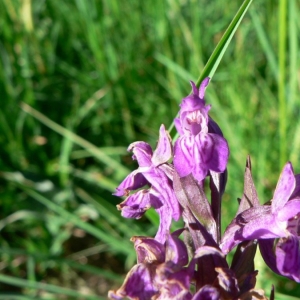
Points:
x=282, y=29
x=117, y=245
x=265, y=43
x=70, y=262
x=43, y=286
x=216, y=56
x=121, y=171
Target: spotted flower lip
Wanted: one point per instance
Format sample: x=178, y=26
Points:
x=267, y=221
x=200, y=147
x=154, y=172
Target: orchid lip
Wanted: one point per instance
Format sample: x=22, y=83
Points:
x=194, y=117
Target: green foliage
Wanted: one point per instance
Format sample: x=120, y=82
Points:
x=80, y=80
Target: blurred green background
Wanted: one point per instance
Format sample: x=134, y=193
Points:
x=82, y=79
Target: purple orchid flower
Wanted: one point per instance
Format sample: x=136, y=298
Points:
x=269, y=222
x=160, y=272
x=200, y=147
x=226, y=284
x=155, y=172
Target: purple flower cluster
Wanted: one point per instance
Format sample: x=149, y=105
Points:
x=276, y=226
x=191, y=262
x=199, y=149
x=155, y=172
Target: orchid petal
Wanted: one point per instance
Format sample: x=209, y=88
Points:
x=178, y=126
x=133, y=181
x=266, y=249
x=208, y=250
x=172, y=284
x=210, y=152
x=142, y=152
x=213, y=127
x=168, y=170
x=203, y=86
x=165, y=220
x=288, y=257
x=228, y=282
x=285, y=187
x=296, y=192
x=183, y=155
x=190, y=103
x=253, y=223
x=135, y=205
x=195, y=90
x=255, y=294
x=289, y=211
x=207, y=292
x=176, y=251
x=164, y=149
x=137, y=285
x=263, y=226
x=148, y=250
x=162, y=188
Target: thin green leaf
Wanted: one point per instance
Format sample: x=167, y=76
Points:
x=46, y=287
x=121, y=171
x=293, y=53
x=265, y=43
x=282, y=107
x=216, y=56
x=115, y=244
x=70, y=262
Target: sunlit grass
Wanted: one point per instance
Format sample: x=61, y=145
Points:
x=80, y=80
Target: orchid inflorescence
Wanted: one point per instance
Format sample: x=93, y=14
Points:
x=190, y=263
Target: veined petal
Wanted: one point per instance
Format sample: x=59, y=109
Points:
x=213, y=127
x=208, y=250
x=289, y=211
x=203, y=86
x=266, y=248
x=138, y=284
x=176, y=251
x=174, y=292
x=288, y=257
x=253, y=223
x=148, y=250
x=142, y=152
x=164, y=223
x=162, y=188
x=173, y=284
x=164, y=149
x=296, y=192
x=183, y=155
x=133, y=181
x=263, y=226
x=210, y=153
x=285, y=187
x=135, y=205
x=254, y=294
x=195, y=90
x=229, y=241
x=190, y=103
x=168, y=169
x=228, y=282
x=178, y=126
x=207, y=292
